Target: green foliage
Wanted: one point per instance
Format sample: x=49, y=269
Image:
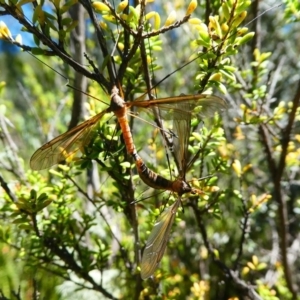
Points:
x=78, y=229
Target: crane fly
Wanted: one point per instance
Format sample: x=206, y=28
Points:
x=159, y=236
x=60, y=148
x=180, y=109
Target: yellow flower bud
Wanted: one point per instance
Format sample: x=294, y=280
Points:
x=100, y=7
x=171, y=19
x=239, y=19
x=216, y=77
x=236, y=165
x=192, y=6
x=4, y=32
x=122, y=6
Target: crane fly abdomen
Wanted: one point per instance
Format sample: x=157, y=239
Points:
x=149, y=177
x=126, y=132
x=156, y=181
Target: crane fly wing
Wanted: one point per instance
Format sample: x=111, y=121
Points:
x=182, y=128
x=204, y=107
x=65, y=145
x=195, y=105
x=157, y=241
x=181, y=110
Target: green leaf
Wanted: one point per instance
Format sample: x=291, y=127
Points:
x=22, y=2
x=25, y=227
x=37, y=42
x=246, y=38
x=55, y=173
x=42, y=197
x=228, y=74
x=67, y=6
x=242, y=6
x=71, y=26
x=37, y=51
x=20, y=220
x=33, y=194
x=42, y=205
x=125, y=164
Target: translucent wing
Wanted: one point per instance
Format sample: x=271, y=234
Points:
x=181, y=109
x=157, y=241
x=58, y=149
x=195, y=105
x=181, y=127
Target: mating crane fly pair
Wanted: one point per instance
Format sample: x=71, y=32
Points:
x=180, y=109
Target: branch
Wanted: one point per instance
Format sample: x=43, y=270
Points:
x=80, y=82
x=68, y=259
x=102, y=43
x=244, y=226
x=146, y=35
x=246, y=288
x=277, y=173
x=6, y=188
x=286, y=135
x=54, y=46
x=166, y=28
x=124, y=253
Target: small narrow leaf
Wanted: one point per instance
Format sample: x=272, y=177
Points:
x=245, y=38
x=171, y=19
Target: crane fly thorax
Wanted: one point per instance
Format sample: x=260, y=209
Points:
x=117, y=104
x=181, y=187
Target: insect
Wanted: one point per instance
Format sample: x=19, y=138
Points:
x=157, y=241
x=67, y=144
x=180, y=109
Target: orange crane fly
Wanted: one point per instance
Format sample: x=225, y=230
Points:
x=159, y=236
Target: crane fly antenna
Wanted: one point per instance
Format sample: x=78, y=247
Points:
x=167, y=142
x=60, y=74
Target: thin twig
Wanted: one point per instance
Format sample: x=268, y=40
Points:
x=6, y=188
